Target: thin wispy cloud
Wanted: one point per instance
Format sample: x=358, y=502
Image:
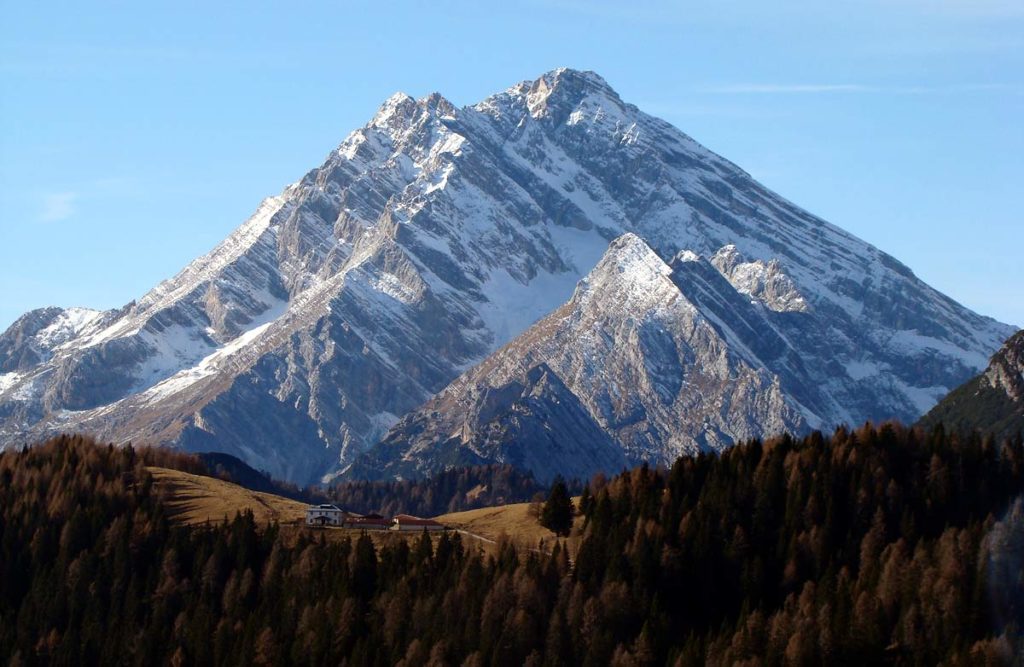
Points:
x=784, y=88
x=856, y=88
x=721, y=109
x=58, y=206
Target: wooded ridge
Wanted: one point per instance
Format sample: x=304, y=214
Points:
x=876, y=544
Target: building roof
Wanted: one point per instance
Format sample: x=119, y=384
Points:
x=372, y=520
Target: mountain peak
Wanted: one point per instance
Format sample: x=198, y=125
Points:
x=581, y=78
x=629, y=254
x=630, y=274
x=565, y=88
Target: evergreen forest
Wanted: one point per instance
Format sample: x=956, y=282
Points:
x=876, y=545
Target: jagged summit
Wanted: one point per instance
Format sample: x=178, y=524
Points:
x=557, y=88
x=434, y=235
x=400, y=110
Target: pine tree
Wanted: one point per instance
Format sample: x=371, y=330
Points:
x=556, y=515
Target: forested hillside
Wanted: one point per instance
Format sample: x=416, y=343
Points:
x=872, y=545
x=992, y=402
x=866, y=546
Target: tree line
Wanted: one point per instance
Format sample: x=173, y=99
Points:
x=451, y=490
x=880, y=544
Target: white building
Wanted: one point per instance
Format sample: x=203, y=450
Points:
x=324, y=515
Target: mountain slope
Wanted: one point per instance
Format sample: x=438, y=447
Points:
x=665, y=360
x=532, y=421
x=992, y=402
x=432, y=236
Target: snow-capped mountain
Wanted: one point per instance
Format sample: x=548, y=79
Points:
x=432, y=236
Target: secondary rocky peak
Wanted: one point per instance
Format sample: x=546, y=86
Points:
x=628, y=360
x=992, y=402
x=630, y=272
x=631, y=256
x=726, y=259
x=764, y=281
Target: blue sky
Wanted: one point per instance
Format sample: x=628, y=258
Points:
x=137, y=135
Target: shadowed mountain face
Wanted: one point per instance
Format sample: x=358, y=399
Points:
x=533, y=422
x=992, y=402
x=434, y=235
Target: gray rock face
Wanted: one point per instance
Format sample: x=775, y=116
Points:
x=532, y=421
x=434, y=235
x=34, y=336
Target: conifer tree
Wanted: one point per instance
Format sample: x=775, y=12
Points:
x=556, y=515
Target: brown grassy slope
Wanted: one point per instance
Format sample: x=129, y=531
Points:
x=194, y=499
x=512, y=521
